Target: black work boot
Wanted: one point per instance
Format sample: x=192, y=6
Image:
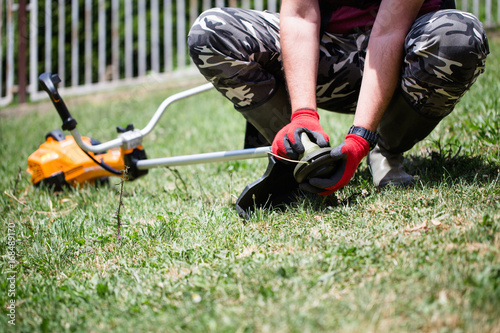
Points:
x=387, y=168
x=265, y=119
x=399, y=130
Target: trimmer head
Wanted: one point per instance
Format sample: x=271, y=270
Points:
x=279, y=186
x=314, y=164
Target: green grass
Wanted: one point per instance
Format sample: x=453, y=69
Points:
x=426, y=258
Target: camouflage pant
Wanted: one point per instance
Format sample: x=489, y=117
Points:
x=238, y=51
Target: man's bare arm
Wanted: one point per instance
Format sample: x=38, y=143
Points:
x=384, y=59
x=299, y=34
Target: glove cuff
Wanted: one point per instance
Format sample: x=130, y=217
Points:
x=305, y=112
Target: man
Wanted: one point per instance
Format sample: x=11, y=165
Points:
x=399, y=66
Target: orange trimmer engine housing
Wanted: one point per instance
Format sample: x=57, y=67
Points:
x=60, y=161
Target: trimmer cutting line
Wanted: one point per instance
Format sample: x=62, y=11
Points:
x=75, y=160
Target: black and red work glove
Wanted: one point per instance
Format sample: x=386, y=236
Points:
x=347, y=156
x=287, y=142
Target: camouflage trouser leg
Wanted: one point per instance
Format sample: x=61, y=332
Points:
x=239, y=52
x=445, y=53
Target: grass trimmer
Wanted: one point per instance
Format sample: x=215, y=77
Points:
x=75, y=160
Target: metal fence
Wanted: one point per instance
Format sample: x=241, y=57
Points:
x=97, y=44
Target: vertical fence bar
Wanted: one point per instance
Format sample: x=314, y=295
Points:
x=488, y=13
x=33, y=45
x=101, y=41
x=193, y=15
x=155, y=36
x=259, y=4
x=74, y=43
x=128, y=40
x=141, y=38
x=61, y=43
x=22, y=38
x=271, y=5
x=115, y=40
x=181, y=34
x=168, y=36
x=9, y=68
x=48, y=36
x=464, y=5
x=193, y=11
x=9, y=54
x=1, y=51
x=219, y=3
x=207, y=4
x=245, y=4
x=475, y=7
x=88, y=42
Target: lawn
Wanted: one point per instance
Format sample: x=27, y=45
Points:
x=425, y=258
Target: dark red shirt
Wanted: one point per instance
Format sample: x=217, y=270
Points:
x=348, y=19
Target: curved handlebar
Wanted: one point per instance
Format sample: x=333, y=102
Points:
x=133, y=138
x=49, y=83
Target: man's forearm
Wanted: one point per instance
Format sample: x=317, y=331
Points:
x=300, y=50
x=380, y=77
x=383, y=60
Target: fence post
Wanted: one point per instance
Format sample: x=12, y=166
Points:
x=207, y=4
x=155, y=36
x=475, y=7
x=181, y=31
x=101, y=19
x=48, y=36
x=168, y=36
x=87, y=58
x=33, y=48
x=61, y=42
x=21, y=55
x=488, y=13
x=75, y=49
x=1, y=49
x=128, y=39
x=141, y=38
x=115, y=40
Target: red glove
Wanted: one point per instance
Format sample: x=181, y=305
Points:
x=287, y=142
x=348, y=156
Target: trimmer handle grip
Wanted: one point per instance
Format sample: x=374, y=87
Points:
x=49, y=83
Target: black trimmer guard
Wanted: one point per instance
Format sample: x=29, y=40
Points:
x=276, y=189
